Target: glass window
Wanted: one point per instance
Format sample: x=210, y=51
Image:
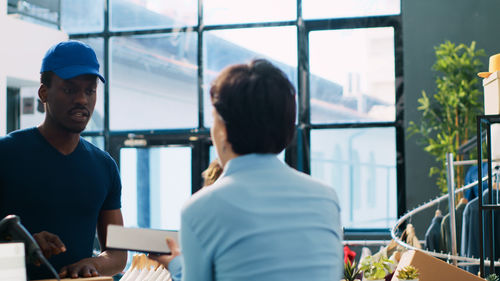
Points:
x=32, y=110
x=225, y=47
x=81, y=16
x=97, y=141
x=360, y=164
x=156, y=182
x=45, y=13
x=97, y=121
x=318, y=9
x=153, y=82
x=352, y=75
x=144, y=14
x=242, y=11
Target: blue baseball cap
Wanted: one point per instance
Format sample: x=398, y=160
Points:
x=71, y=58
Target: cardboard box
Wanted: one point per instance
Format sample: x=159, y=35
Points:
x=433, y=269
x=492, y=107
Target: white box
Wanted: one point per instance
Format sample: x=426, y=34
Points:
x=492, y=107
x=12, y=262
x=140, y=239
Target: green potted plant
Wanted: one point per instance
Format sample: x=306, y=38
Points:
x=375, y=268
x=408, y=273
x=449, y=115
x=492, y=277
x=351, y=270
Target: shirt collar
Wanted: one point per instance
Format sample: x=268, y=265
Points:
x=249, y=161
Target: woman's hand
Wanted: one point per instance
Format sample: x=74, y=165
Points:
x=166, y=259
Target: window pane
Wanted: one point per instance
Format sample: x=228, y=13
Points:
x=153, y=82
x=225, y=47
x=155, y=184
x=242, y=11
x=97, y=121
x=44, y=13
x=81, y=16
x=352, y=75
x=317, y=9
x=32, y=111
x=97, y=141
x=360, y=164
x=144, y=14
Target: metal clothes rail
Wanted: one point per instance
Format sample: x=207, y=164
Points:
x=448, y=256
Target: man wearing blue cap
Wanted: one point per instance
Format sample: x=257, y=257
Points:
x=61, y=186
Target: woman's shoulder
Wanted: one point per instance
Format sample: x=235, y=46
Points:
x=208, y=198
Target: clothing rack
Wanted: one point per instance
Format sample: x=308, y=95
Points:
x=469, y=144
x=450, y=176
x=370, y=242
x=366, y=242
x=446, y=256
x=450, y=173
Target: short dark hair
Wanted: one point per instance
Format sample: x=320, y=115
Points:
x=257, y=103
x=46, y=78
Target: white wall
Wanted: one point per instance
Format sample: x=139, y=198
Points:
x=21, y=51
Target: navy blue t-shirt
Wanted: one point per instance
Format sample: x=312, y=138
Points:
x=61, y=194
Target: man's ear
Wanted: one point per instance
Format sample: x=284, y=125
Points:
x=42, y=93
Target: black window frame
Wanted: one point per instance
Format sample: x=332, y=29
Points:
x=297, y=155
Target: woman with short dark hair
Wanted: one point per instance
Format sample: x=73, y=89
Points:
x=261, y=220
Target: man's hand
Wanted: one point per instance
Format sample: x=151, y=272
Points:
x=166, y=259
x=83, y=268
x=49, y=243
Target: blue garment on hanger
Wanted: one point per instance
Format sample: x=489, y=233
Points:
x=470, y=232
x=471, y=177
x=433, y=235
x=446, y=229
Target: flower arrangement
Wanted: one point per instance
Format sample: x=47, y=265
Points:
x=492, y=277
x=351, y=270
x=375, y=268
x=408, y=273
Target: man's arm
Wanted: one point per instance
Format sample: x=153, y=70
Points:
x=109, y=262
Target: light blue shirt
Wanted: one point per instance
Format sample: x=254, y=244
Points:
x=261, y=220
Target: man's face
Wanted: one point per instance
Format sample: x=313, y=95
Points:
x=70, y=103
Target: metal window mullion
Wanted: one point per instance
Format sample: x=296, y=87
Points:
x=201, y=109
x=304, y=119
x=107, y=61
x=59, y=14
x=399, y=122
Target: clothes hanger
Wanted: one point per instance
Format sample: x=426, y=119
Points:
x=438, y=213
x=392, y=246
x=496, y=178
x=463, y=200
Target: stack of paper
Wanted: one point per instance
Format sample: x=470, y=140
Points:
x=145, y=269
